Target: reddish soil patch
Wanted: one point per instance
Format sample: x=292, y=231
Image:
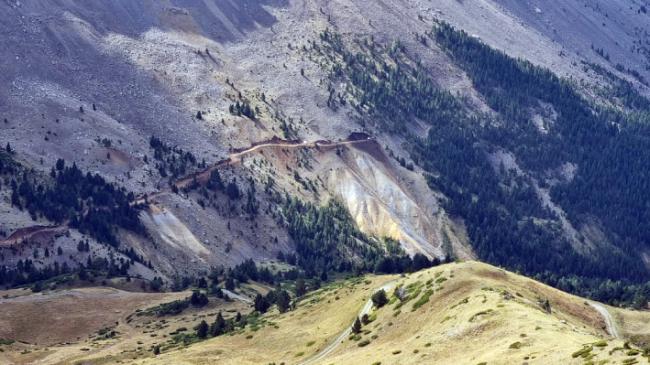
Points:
x=373, y=148
x=119, y=158
x=68, y=315
x=275, y=140
x=41, y=234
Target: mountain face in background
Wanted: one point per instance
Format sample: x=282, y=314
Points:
x=166, y=140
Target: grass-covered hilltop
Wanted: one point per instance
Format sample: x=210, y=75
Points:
x=325, y=182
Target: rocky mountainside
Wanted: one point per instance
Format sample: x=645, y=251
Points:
x=161, y=139
x=199, y=177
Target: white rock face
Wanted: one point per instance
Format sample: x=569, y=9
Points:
x=381, y=206
x=175, y=233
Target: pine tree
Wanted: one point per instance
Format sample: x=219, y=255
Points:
x=202, y=330
x=218, y=327
x=301, y=288
x=356, y=327
x=261, y=303
x=379, y=298
x=60, y=164
x=230, y=283
x=283, y=300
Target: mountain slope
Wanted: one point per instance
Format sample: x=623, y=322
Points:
x=476, y=313
x=268, y=93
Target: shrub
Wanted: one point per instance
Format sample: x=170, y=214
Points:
x=423, y=299
x=584, y=352
x=481, y=313
x=379, y=298
x=363, y=343
x=601, y=343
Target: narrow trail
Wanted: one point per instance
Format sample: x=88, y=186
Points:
x=201, y=177
x=609, y=320
x=332, y=346
x=236, y=156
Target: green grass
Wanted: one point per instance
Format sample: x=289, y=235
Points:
x=479, y=314
x=363, y=343
x=424, y=299
x=464, y=301
x=584, y=352
x=601, y=343
x=6, y=341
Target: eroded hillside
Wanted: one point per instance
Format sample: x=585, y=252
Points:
x=208, y=118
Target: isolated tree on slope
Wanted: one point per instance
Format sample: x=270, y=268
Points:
x=356, y=327
x=202, y=330
x=379, y=299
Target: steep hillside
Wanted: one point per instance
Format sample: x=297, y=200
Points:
x=465, y=313
x=161, y=139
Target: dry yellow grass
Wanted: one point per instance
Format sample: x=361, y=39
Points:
x=475, y=313
x=62, y=327
x=290, y=337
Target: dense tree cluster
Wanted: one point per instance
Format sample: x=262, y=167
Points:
x=327, y=239
x=172, y=161
x=26, y=272
x=243, y=108
x=279, y=296
x=86, y=201
x=501, y=209
x=611, y=151
x=221, y=326
x=197, y=299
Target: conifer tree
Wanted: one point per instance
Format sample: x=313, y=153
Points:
x=356, y=327
x=202, y=330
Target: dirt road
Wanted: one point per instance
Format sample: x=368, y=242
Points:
x=332, y=346
x=201, y=177
x=609, y=321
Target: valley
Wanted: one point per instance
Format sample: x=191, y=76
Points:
x=320, y=182
x=467, y=312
